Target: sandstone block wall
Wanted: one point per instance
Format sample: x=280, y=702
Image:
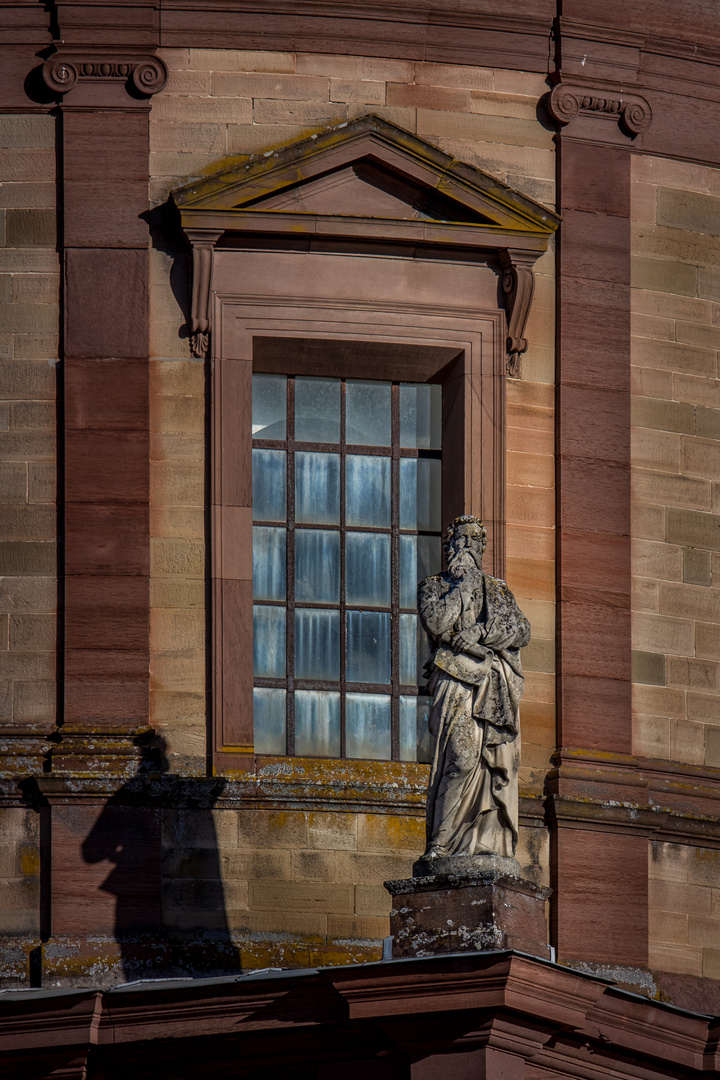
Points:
x=676, y=461
x=684, y=933
x=29, y=286
x=676, y=528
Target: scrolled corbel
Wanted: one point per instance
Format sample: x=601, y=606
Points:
x=203, y=245
x=518, y=283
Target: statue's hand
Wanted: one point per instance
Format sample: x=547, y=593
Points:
x=465, y=639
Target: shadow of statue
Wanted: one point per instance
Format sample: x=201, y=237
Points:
x=158, y=833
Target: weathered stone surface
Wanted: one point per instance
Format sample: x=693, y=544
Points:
x=466, y=866
x=648, y=667
x=472, y=912
x=688, y=210
x=476, y=678
x=30, y=228
x=696, y=567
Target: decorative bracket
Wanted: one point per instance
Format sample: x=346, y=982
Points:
x=568, y=100
x=65, y=69
x=518, y=284
x=203, y=245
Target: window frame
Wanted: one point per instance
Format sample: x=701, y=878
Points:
x=429, y=343
x=291, y=682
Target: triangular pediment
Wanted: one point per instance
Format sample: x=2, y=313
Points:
x=364, y=188
x=367, y=170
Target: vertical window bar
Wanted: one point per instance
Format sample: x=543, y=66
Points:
x=343, y=535
x=394, y=576
x=290, y=617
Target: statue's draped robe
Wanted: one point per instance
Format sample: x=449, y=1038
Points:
x=472, y=803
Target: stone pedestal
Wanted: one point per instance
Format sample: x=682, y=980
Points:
x=469, y=904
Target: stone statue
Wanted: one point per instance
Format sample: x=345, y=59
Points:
x=476, y=681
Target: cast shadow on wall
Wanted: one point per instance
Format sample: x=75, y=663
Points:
x=167, y=237
x=158, y=835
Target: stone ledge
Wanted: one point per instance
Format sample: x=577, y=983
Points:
x=466, y=866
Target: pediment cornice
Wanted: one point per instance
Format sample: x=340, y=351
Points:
x=369, y=182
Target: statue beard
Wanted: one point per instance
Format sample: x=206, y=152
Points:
x=462, y=564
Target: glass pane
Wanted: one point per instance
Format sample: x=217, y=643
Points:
x=421, y=416
x=317, y=723
x=408, y=650
x=269, y=642
x=425, y=741
x=317, y=644
x=317, y=488
x=408, y=728
x=367, y=492
x=419, y=557
x=317, y=410
x=317, y=566
x=367, y=569
x=420, y=503
x=368, y=647
x=367, y=726
x=269, y=406
x=269, y=721
x=268, y=477
x=424, y=652
x=367, y=413
x=268, y=563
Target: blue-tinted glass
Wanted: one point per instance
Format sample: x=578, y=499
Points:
x=317, y=723
x=269, y=563
x=367, y=491
x=425, y=741
x=269, y=720
x=367, y=413
x=317, y=410
x=419, y=557
x=269, y=642
x=367, y=569
x=317, y=644
x=317, y=488
x=268, y=477
x=368, y=652
x=420, y=502
x=421, y=416
x=408, y=728
x=408, y=650
x=269, y=406
x=367, y=726
x=317, y=566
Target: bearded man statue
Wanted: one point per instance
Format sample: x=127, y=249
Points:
x=476, y=682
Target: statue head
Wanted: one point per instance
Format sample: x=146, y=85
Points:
x=464, y=542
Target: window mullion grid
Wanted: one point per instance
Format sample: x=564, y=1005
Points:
x=343, y=534
x=395, y=576
x=290, y=574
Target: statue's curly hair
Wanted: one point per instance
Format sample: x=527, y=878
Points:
x=464, y=519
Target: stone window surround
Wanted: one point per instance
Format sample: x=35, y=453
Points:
x=449, y=305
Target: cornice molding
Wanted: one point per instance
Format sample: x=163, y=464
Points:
x=142, y=72
x=471, y=209
x=567, y=100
